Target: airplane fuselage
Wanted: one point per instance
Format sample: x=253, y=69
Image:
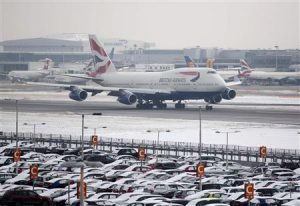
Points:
x=184, y=83
x=27, y=75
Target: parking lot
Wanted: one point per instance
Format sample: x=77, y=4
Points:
x=120, y=178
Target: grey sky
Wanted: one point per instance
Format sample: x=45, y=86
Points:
x=170, y=24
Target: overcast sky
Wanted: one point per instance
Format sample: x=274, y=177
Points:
x=170, y=24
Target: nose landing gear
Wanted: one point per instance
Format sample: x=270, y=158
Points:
x=209, y=107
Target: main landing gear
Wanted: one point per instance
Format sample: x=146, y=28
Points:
x=149, y=104
x=208, y=107
x=179, y=105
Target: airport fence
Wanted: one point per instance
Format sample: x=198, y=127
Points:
x=166, y=148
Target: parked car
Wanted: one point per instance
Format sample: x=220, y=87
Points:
x=128, y=151
x=24, y=197
x=4, y=160
x=164, y=165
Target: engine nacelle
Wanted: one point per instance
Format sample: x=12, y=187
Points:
x=228, y=94
x=127, y=97
x=77, y=94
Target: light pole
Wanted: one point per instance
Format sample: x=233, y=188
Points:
x=200, y=134
x=34, y=126
x=158, y=133
x=95, y=131
x=200, y=145
x=276, y=56
x=17, y=126
x=17, y=134
x=82, y=167
x=227, y=132
x=95, y=128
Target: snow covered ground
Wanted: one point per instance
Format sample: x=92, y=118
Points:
x=251, y=134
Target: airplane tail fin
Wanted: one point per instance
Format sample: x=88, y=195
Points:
x=244, y=64
x=247, y=69
x=47, y=62
x=210, y=63
x=102, y=61
x=189, y=62
x=111, y=54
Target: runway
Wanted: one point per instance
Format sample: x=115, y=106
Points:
x=237, y=112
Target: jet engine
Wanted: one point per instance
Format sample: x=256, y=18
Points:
x=127, y=97
x=78, y=94
x=228, y=94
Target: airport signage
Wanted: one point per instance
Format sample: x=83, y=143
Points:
x=249, y=191
x=34, y=171
x=94, y=140
x=17, y=155
x=263, y=151
x=142, y=153
x=200, y=170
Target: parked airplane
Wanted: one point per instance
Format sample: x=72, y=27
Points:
x=150, y=89
x=21, y=76
x=73, y=78
x=277, y=77
x=240, y=73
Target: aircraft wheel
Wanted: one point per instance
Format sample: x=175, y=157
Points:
x=208, y=107
x=149, y=106
x=179, y=106
x=164, y=106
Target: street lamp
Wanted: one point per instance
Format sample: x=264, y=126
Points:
x=227, y=132
x=200, y=145
x=34, y=126
x=276, y=55
x=158, y=133
x=200, y=133
x=95, y=131
x=17, y=126
x=95, y=128
x=82, y=167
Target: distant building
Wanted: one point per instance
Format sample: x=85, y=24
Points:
x=74, y=48
x=69, y=43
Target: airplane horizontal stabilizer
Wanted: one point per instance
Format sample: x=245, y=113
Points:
x=83, y=77
x=236, y=81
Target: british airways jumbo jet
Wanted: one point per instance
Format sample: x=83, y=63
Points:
x=150, y=89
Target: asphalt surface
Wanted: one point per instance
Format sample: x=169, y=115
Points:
x=261, y=113
x=275, y=113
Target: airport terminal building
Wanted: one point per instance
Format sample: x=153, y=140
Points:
x=74, y=48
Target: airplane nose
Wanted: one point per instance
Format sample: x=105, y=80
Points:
x=221, y=83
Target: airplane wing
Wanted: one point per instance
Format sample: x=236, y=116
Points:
x=82, y=77
x=98, y=89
